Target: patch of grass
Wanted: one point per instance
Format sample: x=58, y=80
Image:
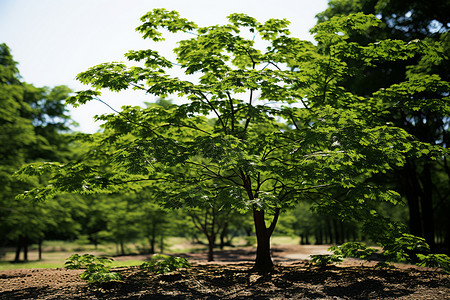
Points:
x=6, y=265
x=285, y=240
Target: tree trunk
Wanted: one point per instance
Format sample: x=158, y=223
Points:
x=427, y=207
x=211, y=244
x=18, y=250
x=329, y=231
x=40, y=250
x=223, y=234
x=411, y=190
x=152, y=245
x=447, y=238
x=263, y=262
x=336, y=231
x=153, y=239
x=161, y=244
x=122, y=248
x=25, y=249
x=319, y=236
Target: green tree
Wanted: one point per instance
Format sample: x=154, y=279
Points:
x=408, y=20
x=264, y=128
x=31, y=124
x=122, y=219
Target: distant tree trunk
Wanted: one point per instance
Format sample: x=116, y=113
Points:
x=223, y=234
x=336, y=231
x=152, y=243
x=344, y=232
x=319, y=236
x=25, y=249
x=152, y=239
x=18, y=249
x=447, y=238
x=329, y=231
x=122, y=248
x=427, y=207
x=40, y=250
x=411, y=191
x=161, y=243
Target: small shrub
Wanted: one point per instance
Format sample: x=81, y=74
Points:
x=323, y=260
x=435, y=261
x=405, y=247
x=353, y=249
x=76, y=261
x=162, y=264
x=96, y=271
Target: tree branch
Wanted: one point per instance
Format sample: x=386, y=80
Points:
x=215, y=111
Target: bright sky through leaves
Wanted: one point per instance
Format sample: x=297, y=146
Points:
x=54, y=40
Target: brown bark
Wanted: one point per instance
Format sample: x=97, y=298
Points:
x=211, y=244
x=263, y=262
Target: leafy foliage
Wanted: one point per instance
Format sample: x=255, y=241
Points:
x=353, y=249
x=96, y=271
x=323, y=260
x=435, y=261
x=416, y=86
x=404, y=247
x=162, y=264
x=76, y=261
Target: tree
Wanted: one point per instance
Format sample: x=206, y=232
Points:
x=31, y=124
x=239, y=136
x=408, y=20
x=211, y=221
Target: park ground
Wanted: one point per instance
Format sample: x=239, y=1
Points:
x=229, y=278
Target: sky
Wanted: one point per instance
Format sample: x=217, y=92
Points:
x=54, y=40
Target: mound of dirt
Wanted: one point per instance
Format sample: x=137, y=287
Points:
x=230, y=279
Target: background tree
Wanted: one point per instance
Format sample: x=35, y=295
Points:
x=408, y=20
x=32, y=125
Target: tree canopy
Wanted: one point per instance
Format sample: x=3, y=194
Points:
x=267, y=122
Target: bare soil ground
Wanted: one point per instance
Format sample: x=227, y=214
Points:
x=228, y=278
